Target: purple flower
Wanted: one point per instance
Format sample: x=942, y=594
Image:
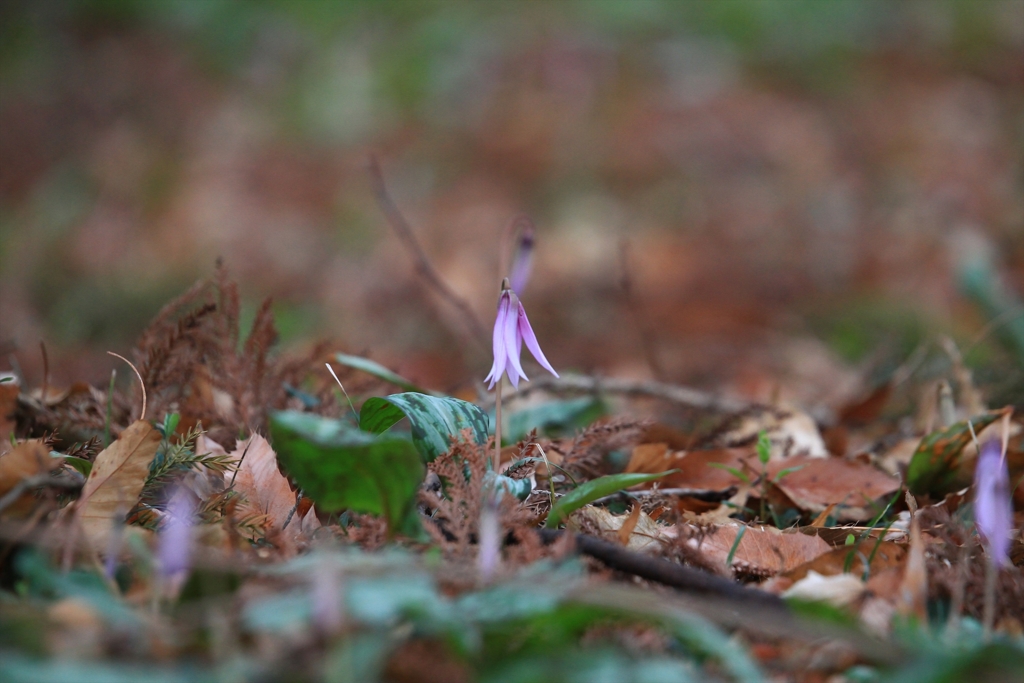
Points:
x=511, y=329
x=993, y=510
x=175, y=546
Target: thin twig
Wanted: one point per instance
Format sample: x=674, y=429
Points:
x=29, y=483
x=239, y=465
x=141, y=383
x=291, y=513
x=423, y=266
x=692, y=398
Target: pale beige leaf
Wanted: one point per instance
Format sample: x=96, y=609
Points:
x=117, y=477
x=266, y=490
x=838, y=590
x=646, y=535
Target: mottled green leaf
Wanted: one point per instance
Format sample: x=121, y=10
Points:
x=937, y=466
x=434, y=420
x=520, y=488
x=379, y=371
x=594, y=489
x=342, y=468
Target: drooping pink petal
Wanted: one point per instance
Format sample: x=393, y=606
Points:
x=513, y=342
x=526, y=334
x=993, y=509
x=500, y=351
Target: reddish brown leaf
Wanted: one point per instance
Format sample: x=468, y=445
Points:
x=851, y=558
x=695, y=470
x=854, y=487
x=27, y=459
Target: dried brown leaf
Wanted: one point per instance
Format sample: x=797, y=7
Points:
x=851, y=558
x=763, y=551
x=697, y=473
x=650, y=458
x=854, y=486
x=27, y=459
x=116, y=480
x=626, y=530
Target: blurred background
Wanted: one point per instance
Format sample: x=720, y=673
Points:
x=797, y=193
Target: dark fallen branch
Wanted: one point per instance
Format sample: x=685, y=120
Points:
x=423, y=266
x=663, y=571
x=583, y=384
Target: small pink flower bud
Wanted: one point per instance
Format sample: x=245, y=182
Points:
x=993, y=509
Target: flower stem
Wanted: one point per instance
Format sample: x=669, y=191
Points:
x=497, y=426
x=989, y=607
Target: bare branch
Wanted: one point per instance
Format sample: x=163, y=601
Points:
x=583, y=384
x=423, y=267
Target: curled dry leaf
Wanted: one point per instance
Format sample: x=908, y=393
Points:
x=763, y=551
x=27, y=459
x=115, y=482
